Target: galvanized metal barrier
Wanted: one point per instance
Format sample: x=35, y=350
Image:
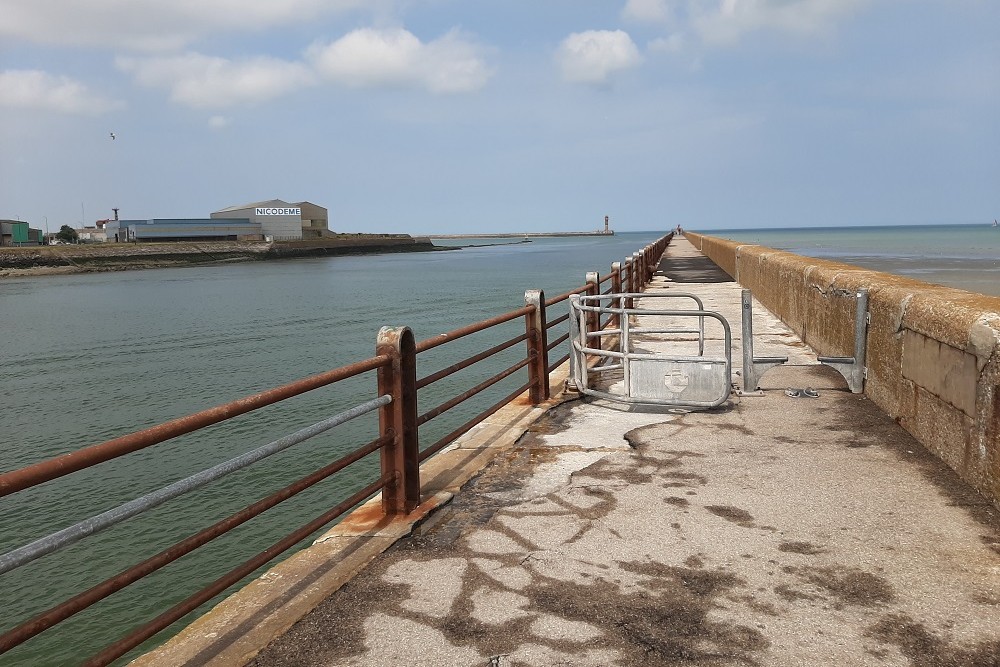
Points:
x=753, y=367
x=852, y=368
x=398, y=443
x=672, y=380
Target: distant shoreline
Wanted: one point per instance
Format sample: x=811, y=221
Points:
x=518, y=236
x=31, y=261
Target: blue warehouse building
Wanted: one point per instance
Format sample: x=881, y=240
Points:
x=184, y=229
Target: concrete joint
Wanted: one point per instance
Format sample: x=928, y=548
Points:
x=983, y=339
x=898, y=328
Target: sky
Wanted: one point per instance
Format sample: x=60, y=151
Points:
x=447, y=116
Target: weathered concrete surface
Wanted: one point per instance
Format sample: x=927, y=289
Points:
x=933, y=351
x=771, y=531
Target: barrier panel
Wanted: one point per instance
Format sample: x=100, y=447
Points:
x=647, y=378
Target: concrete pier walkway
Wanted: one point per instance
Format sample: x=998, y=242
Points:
x=770, y=531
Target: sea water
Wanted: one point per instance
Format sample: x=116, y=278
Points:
x=962, y=256
x=85, y=358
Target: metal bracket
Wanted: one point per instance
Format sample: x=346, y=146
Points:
x=753, y=367
x=853, y=368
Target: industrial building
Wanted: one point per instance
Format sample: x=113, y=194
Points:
x=280, y=220
x=186, y=229
x=17, y=233
x=272, y=220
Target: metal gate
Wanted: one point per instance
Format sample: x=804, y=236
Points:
x=605, y=361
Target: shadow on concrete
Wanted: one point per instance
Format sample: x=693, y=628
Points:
x=692, y=270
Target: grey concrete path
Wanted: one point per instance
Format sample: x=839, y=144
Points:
x=770, y=531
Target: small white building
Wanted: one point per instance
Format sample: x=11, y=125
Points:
x=92, y=235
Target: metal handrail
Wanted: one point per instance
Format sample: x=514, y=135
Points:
x=557, y=321
x=466, y=395
x=112, y=585
x=476, y=327
x=178, y=611
x=562, y=297
x=467, y=426
x=44, y=471
x=454, y=368
x=67, y=536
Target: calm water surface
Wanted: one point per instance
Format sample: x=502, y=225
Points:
x=962, y=256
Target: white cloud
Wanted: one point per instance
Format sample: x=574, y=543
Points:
x=369, y=58
x=218, y=122
x=652, y=11
x=206, y=82
x=35, y=89
x=595, y=55
x=151, y=24
x=725, y=21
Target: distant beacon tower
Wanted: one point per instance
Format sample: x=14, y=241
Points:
x=606, y=229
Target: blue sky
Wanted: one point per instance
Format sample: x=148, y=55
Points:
x=435, y=116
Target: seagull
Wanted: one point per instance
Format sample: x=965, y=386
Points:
x=112, y=136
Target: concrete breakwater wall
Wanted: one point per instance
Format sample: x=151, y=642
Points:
x=933, y=352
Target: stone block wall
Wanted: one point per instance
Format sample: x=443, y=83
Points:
x=933, y=352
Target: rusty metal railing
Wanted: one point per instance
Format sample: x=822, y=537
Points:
x=398, y=444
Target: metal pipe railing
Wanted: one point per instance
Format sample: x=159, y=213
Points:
x=178, y=611
x=482, y=325
x=53, y=468
x=78, y=603
x=95, y=524
x=467, y=426
x=454, y=368
x=469, y=393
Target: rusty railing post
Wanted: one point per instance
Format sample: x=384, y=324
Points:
x=630, y=285
x=538, y=354
x=616, y=288
x=399, y=419
x=638, y=272
x=593, y=289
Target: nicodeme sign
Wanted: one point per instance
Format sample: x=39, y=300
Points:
x=278, y=211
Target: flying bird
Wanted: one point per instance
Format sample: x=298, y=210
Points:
x=112, y=136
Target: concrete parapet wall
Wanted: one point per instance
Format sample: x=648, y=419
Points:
x=933, y=352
